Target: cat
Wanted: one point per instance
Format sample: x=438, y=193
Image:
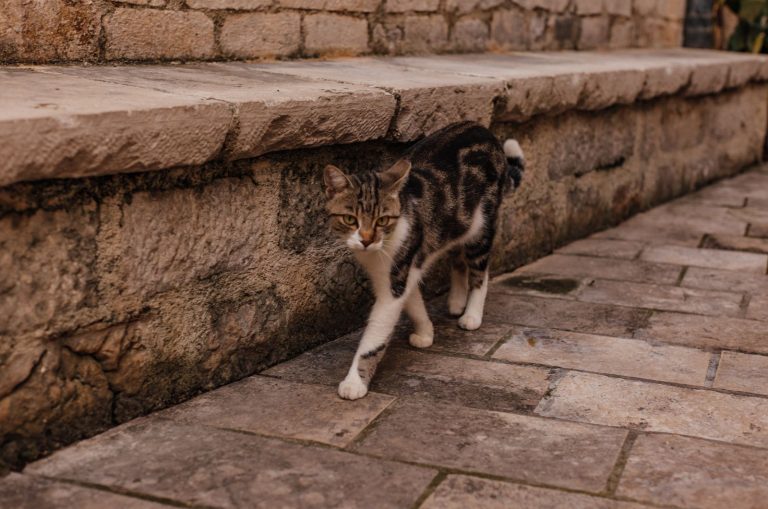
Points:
x=442, y=197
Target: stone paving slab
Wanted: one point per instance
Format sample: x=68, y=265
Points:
x=603, y=248
x=30, y=492
x=622, y=270
x=758, y=309
x=205, y=466
x=603, y=354
x=461, y=492
x=692, y=473
x=612, y=401
x=716, y=279
x=281, y=408
x=711, y=258
x=709, y=332
x=515, y=446
x=671, y=298
x=742, y=372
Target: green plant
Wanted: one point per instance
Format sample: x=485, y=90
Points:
x=750, y=32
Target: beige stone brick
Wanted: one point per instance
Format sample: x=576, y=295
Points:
x=644, y=8
x=157, y=458
x=742, y=372
x=425, y=34
x=460, y=492
x=618, y=7
x=412, y=5
x=496, y=443
x=333, y=5
x=465, y=6
x=151, y=3
x=598, y=399
x=589, y=7
x=228, y=4
x=594, y=32
x=602, y=354
x=622, y=34
x=547, y=5
x=11, y=29
x=285, y=409
x=671, y=9
x=686, y=472
x=716, y=279
x=736, y=243
x=149, y=34
x=758, y=309
x=711, y=258
x=250, y=35
x=509, y=29
x=328, y=33
x=469, y=34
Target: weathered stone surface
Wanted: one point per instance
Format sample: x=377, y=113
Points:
x=151, y=3
x=63, y=126
x=704, y=332
x=460, y=492
x=261, y=35
x=564, y=314
x=506, y=29
x=281, y=408
x=736, y=243
x=412, y=5
x=594, y=30
x=333, y=5
x=622, y=270
x=605, y=248
x=469, y=34
x=422, y=94
x=145, y=34
x=687, y=472
x=619, y=7
x=205, y=466
x=758, y=308
x=507, y=445
x=758, y=230
x=28, y=492
x=275, y=111
x=602, y=354
x=728, y=280
x=610, y=401
x=589, y=7
x=465, y=6
x=672, y=298
x=423, y=34
x=711, y=258
x=228, y=4
x=327, y=33
x=742, y=372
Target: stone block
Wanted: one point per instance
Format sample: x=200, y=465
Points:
x=716, y=279
x=74, y=134
x=253, y=35
x=425, y=34
x=602, y=354
x=509, y=29
x=604, y=248
x=598, y=399
x=228, y=4
x=547, y=5
x=710, y=258
x=136, y=34
x=686, y=472
x=618, y=7
x=736, y=243
x=594, y=32
x=758, y=308
x=333, y=5
x=412, y=5
x=496, y=443
x=190, y=464
x=150, y=3
x=742, y=372
x=621, y=270
x=469, y=34
x=466, y=6
x=329, y=33
x=622, y=34
x=589, y=7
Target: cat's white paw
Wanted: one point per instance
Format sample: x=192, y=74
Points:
x=420, y=341
x=470, y=322
x=352, y=388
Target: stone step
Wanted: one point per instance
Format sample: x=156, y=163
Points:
x=70, y=121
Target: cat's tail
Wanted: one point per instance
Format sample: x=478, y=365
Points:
x=515, y=161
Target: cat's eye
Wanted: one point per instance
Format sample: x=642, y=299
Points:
x=383, y=221
x=349, y=220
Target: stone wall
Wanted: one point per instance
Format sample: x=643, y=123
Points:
x=124, y=294
x=154, y=30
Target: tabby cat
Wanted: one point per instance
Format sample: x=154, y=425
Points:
x=441, y=197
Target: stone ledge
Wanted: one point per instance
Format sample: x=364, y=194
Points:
x=69, y=121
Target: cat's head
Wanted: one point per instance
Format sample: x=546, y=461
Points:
x=365, y=208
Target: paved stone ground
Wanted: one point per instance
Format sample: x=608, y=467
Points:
x=627, y=370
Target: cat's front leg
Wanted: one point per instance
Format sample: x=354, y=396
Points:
x=384, y=315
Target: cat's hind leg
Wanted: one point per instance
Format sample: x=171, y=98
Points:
x=478, y=254
x=457, y=296
x=424, y=331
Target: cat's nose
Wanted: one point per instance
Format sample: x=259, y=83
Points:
x=366, y=242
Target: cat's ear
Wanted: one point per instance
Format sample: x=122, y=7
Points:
x=393, y=178
x=335, y=181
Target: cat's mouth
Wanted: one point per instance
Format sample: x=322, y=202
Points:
x=356, y=245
